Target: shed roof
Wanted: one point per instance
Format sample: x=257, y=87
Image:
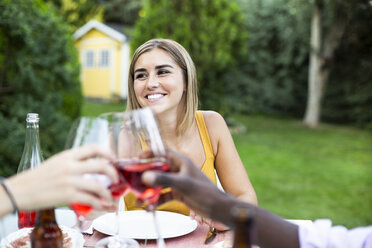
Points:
x=112, y=30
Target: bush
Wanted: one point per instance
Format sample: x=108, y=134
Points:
x=273, y=77
x=39, y=73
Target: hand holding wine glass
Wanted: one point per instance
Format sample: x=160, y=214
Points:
x=138, y=134
x=89, y=130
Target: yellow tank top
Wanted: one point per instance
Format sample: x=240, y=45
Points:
x=207, y=169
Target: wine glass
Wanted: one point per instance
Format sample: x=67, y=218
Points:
x=90, y=130
x=139, y=148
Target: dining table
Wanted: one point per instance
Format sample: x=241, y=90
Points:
x=194, y=239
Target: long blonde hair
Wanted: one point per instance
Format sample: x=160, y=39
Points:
x=183, y=59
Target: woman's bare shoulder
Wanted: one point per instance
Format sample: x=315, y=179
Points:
x=210, y=116
x=214, y=121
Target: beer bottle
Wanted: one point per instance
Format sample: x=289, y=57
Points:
x=31, y=158
x=244, y=226
x=46, y=232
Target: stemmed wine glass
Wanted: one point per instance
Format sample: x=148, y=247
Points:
x=139, y=148
x=91, y=130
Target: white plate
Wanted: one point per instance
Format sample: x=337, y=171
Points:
x=76, y=237
x=139, y=224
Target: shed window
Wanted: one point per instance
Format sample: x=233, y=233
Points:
x=89, y=59
x=104, y=59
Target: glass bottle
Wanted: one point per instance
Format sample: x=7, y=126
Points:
x=31, y=158
x=244, y=226
x=46, y=232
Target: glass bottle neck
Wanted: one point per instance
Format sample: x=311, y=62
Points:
x=32, y=156
x=32, y=144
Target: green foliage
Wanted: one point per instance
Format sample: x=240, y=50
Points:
x=39, y=73
x=75, y=12
x=212, y=31
x=121, y=11
x=349, y=94
x=273, y=77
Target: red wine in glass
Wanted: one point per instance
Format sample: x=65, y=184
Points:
x=26, y=219
x=132, y=171
x=81, y=209
x=118, y=189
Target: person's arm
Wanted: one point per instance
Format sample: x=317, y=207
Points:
x=194, y=189
x=58, y=180
x=229, y=167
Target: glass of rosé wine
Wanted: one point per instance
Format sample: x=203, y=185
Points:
x=86, y=131
x=139, y=148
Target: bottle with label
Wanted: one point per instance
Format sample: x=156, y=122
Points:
x=244, y=227
x=46, y=232
x=31, y=158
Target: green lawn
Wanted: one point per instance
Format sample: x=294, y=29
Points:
x=91, y=108
x=302, y=173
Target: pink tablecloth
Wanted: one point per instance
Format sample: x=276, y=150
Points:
x=193, y=239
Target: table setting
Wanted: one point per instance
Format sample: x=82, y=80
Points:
x=176, y=229
x=188, y=233
x=129, y=136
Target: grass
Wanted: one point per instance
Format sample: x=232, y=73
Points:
x=91, y=108
x=302, y=173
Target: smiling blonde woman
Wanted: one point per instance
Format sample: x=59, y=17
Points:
x=162, y=76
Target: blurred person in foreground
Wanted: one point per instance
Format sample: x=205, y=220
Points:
x=195, y=190
x=58, y=180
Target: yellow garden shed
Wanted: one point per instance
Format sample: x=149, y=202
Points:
x=104, y=58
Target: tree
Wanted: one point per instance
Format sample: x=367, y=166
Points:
x=273, y=77
x=39, y=72
x=322, y=51
x=76, y=12
x=348, y=98
x=125, y=12
x=212, y=31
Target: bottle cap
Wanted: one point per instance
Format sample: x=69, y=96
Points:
x=32, y=117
